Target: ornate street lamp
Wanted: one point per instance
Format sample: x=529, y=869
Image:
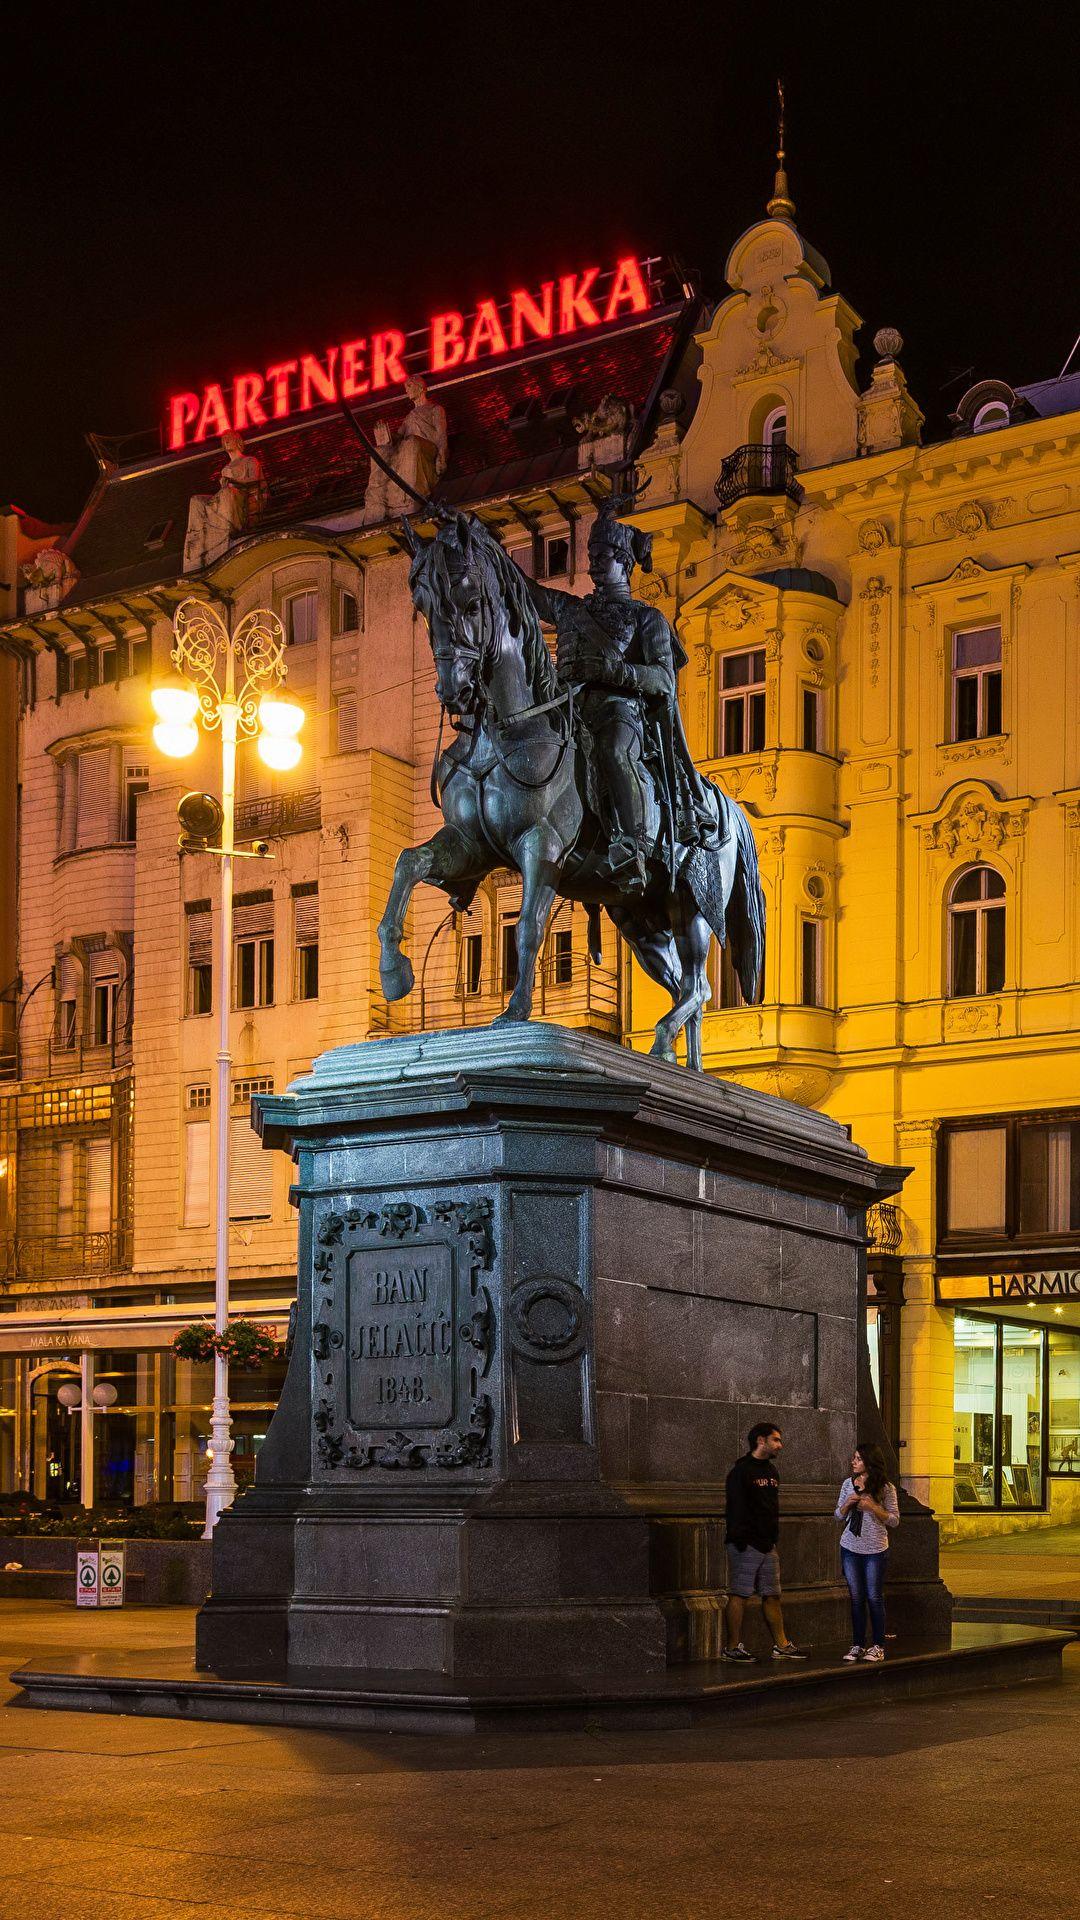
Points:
x=228, y=682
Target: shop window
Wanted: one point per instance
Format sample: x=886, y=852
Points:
x=1049, y=1165
x=742, y=702
x=197, y=1173
x=976, y=933
x=1064, y=1373
x=998, y=1375
x=472, y=962
x=976, y=683
x=301, y=618
x=812, y=983
x=343, y=722
x=975, y=1171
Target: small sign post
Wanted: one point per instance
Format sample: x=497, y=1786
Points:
x=86, y=1578
x=111, y=1576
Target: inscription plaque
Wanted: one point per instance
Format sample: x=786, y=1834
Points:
x=401, y=1337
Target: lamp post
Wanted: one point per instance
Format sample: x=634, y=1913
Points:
x=228, y=683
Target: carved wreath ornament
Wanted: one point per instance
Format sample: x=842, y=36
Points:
x=403, y=1335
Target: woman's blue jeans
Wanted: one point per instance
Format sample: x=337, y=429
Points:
x=865, y=1576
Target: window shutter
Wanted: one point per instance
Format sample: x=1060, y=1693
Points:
x=200, y=933
x=94, y=811
x=253, y=915
x=98, y=1186
x=197, y=1173
x=306, y=915
x=251, y=1173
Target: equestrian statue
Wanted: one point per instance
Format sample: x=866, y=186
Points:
x=575, y=772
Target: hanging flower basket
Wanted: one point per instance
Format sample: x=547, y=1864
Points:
x=244, y=1344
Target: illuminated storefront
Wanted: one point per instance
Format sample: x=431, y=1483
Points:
x=1008, y=1268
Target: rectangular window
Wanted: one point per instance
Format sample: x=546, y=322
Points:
x=811, y=985
x=742, y=702
x=140, y=656
x=562, y=959
x=306, y=938
x=251, y=1173
x=94, y=798
x=253, y=973
x=103, y=1011
x=1049, y=1160
x=976, y=694
x=65, y=1188
x=343, y=719
x=731, y=993
x=66, y=1025
x=301, y=618
x=200, y=993
x=554, y=556
x=509, y=955
x=472, y=962
x=974, y=1412
x=348, y=612
x=1064, y=1401
x=998, y=1374
x=136, y=781
x=975, y=1171
x=98, y=1186
x=811, y=720
x=197, y=1173
x=106, y=665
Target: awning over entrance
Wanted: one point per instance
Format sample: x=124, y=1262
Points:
x=112, y=1329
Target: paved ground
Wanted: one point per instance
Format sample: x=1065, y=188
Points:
x=1017, y=1566
x=959, y=1809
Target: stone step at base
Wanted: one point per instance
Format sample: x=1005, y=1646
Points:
x=1029, y=1613
x=166, y=1686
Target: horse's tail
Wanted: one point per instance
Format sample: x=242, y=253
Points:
x=746, y=913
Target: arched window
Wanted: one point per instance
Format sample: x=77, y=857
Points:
x=774, y=428
x=976, y=933
x=994, y=414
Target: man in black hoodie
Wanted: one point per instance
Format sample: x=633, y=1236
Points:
x=753, y=1527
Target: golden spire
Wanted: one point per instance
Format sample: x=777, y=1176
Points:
x=781, y=206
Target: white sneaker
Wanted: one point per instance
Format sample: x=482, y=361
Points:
x=874, y=1653
x=854, y=1653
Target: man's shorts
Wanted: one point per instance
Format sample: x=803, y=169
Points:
x=752, y=1572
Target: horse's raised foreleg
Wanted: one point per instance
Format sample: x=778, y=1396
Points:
x=444, y=859
x=538, y=856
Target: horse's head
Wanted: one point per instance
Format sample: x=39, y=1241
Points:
x=453, y=587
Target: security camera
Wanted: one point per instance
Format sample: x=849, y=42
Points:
x=200, y=816
x=261, y=849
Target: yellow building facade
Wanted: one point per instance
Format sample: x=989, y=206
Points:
x=884, y=642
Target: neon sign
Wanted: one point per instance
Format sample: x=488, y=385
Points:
x=372, y=364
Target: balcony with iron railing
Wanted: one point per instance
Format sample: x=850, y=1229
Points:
x=884, y=1232
x=279, y=813
x=32, y=1258
x=759, y=469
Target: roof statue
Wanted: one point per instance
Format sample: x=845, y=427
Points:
x=415, y=452
x=215, y=520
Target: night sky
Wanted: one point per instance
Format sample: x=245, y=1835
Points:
x=186, y=202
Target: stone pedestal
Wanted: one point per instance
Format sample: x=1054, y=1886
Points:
x=545, y=1286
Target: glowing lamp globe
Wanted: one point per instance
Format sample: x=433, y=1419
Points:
x=69, y=1395
x=278, y=751
x=282, y=719
x=175, y=703
x=176, y=739
x=104, y=1394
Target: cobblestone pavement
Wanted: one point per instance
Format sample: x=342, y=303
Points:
x=960, y=1809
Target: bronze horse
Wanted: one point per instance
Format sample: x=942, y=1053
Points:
x=513, y=791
